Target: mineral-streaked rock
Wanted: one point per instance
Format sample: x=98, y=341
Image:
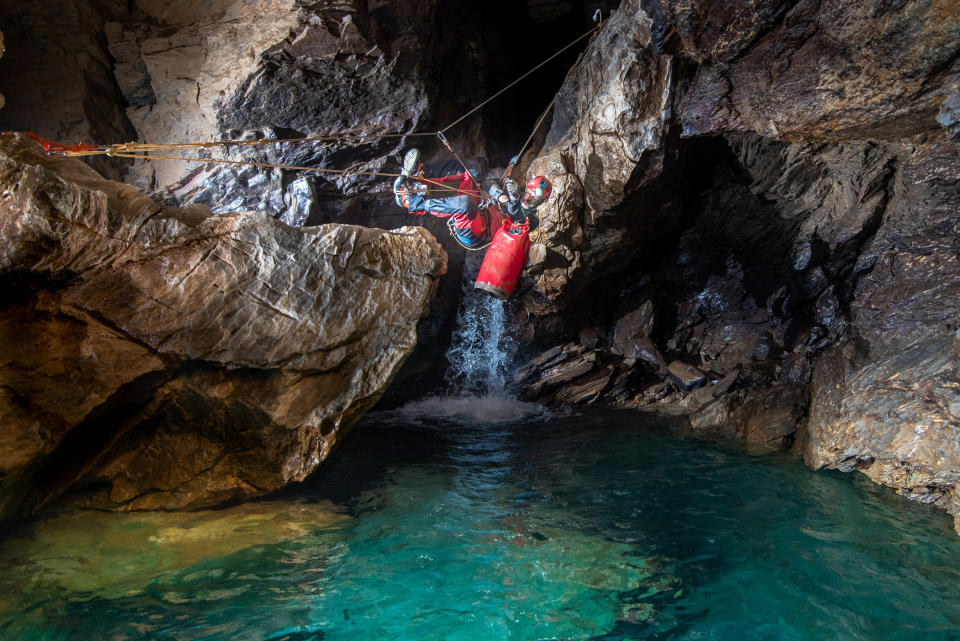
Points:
x=607, y=139
x=179, y=359
x=896, y=418
x=818, y=70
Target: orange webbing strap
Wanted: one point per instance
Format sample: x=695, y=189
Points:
x=124, y=150
x=82, y=149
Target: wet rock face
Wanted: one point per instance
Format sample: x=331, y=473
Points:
x=170, y=358
x=895, y=418
x=784, y=200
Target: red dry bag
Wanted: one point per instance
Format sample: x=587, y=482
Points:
x=504, y=260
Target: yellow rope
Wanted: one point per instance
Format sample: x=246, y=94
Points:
x=141, y=150
x=267, y=165
x=132, y=147
x=512, y=84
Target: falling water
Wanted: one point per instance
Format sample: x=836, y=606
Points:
x=480, y=353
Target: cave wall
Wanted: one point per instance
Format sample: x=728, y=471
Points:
x=754, y=214
x=755, y=224
x=164, y=407
x=163, y=358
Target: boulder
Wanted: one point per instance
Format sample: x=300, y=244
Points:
x=169, y=358
x=631, y=329
x=687, y=377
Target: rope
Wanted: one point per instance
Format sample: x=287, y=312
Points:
x=513, y=161
x=140, y=150
x=496, y=95
x=443, y=139
x=437, y=185
x=133, y=147
x=450, y=226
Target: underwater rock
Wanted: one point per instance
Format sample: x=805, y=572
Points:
x=126, y=554
x=176, y=359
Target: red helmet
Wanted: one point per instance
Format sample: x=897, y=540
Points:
x=538, y=190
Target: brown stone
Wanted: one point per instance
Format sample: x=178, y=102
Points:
x=589, y=337
x=894, y=417
x=181, y=359
x=586, y=389
x=631, y=329
x=771, y=416
x=686, y=376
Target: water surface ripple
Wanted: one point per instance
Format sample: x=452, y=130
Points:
x=483, y=519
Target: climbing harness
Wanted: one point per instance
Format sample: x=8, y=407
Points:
x=482, y=211
x=147, y=151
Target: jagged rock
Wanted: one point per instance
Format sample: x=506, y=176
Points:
x=585, y=389
x=770, y=416
x=647, y=352
x=722, y=323
x=817, y=70
x=607, y=139
x=565, y=372
x=895, y=418
x=660, y=393
x=715, y=417
x=713, y=389
x=796, y=367
x=630, y=329
x=179, y=359
x=56, y=75
x=686, y=376
x=556, y=367
x=757, y=416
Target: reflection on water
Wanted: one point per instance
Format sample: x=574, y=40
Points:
x=433, y=523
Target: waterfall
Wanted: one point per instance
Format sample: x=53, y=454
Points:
x=480, y=352
x=480, y=357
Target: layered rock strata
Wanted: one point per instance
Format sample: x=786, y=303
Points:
x=164, y=358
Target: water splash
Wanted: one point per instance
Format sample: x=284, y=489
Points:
x=481, y=352
x=466, y=411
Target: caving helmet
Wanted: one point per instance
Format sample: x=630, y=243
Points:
x=537, y=191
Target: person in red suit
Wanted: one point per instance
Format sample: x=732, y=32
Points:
x=463, y=209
